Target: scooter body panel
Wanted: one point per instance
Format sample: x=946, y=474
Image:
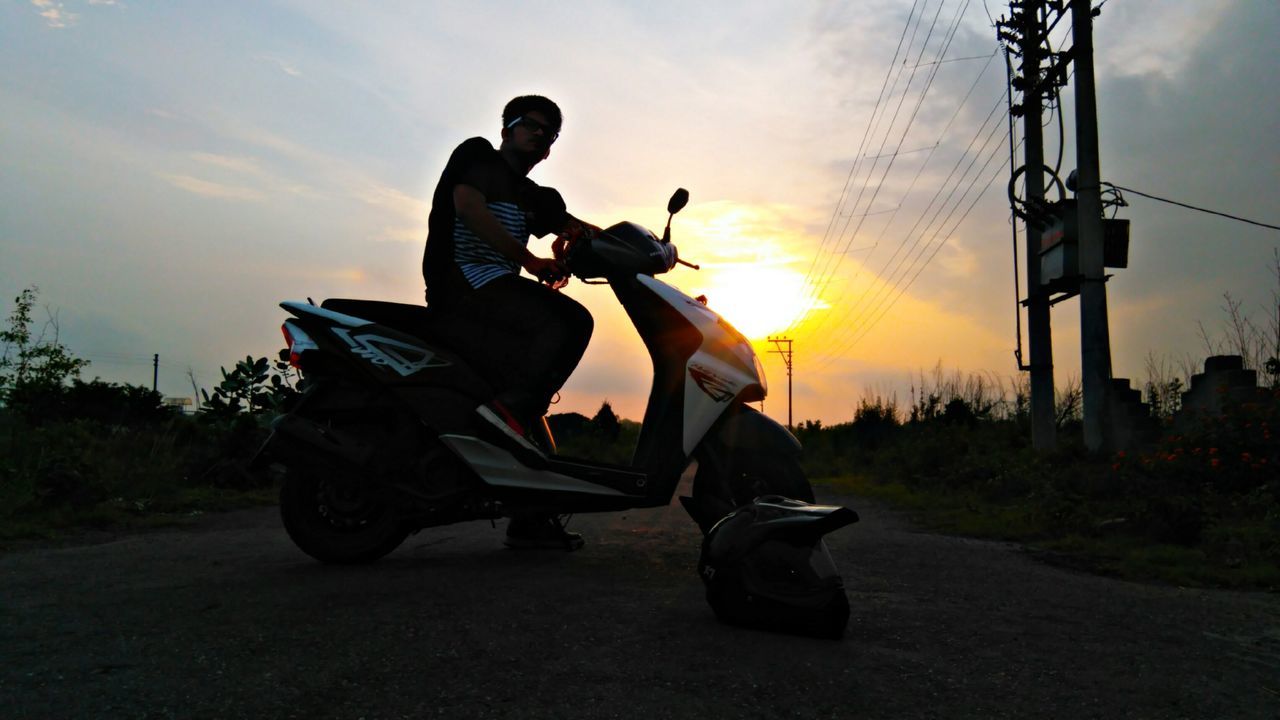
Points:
x=719, y=370
x=499, y=468
x=702, y=366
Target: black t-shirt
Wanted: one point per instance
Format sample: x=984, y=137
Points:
x=477, y=164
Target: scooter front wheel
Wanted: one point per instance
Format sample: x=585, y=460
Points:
x=747, y=476
x=339, y=521
x=755, y=476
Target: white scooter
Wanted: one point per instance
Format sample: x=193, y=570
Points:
x=385, y=439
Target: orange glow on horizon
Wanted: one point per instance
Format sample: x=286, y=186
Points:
x=753, y=262
x=758, y=300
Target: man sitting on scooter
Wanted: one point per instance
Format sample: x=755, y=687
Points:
x=522, y=335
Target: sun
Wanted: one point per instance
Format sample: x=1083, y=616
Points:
x=758, y=300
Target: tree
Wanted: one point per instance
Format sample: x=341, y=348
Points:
x=33, y=365
x=606, y=422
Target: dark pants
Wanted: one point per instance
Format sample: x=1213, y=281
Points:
x=520, y=335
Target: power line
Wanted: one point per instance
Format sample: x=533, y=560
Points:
x=938, y=246
x=892, y=275
x=858, y=157
x=867, y=327
x=911, y=187
x=912, y=260
x=951, y=60
x=829, y=269
x=873, y=125
x=1193, y=207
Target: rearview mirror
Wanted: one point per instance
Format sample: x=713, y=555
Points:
x=678, y=200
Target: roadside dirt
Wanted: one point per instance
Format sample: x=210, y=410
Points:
x=226, y=619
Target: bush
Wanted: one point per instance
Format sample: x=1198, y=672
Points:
x=104, y=402
x=1209, y=493
x=90, y=451
x=1222, y=471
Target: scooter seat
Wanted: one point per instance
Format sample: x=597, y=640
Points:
x=416, y=320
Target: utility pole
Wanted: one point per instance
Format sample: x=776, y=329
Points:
x=155, y=371
x=1095, y=335
x=786, y=358
x=1039, y=335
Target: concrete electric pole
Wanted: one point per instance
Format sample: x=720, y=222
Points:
x=1095, y=336
x=1025, y=29
x=786, y=358
x=1066, y=240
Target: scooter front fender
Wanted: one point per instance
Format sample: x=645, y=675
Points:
x=748, y=429
x=742, y=436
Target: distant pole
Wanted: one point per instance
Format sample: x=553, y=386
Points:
x=155, y=371
x=786, y=358
x=1095, y=336
x=1044, y=428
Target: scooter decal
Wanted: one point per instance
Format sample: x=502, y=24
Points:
x=401, y=357
x=716, y=387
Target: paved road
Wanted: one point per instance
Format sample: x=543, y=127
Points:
x=226, y=619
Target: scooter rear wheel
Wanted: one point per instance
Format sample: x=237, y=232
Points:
x=339, y=521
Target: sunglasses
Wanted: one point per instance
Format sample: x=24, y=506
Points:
x=534, y=126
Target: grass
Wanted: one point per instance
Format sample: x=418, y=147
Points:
x=1227, y=564
x=63, y=478
x=124, y=514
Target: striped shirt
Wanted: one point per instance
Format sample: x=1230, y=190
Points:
x=454, y=259
x=479, y=261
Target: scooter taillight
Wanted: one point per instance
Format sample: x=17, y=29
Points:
x=298, y=342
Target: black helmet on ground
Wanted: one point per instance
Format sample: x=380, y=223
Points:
x=766, y=566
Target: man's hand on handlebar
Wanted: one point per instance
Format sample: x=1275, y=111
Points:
x=573, y=231
x=552, y=272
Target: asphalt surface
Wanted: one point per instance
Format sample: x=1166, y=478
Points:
x=226, y=619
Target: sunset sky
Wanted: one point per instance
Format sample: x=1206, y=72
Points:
x=170, y=171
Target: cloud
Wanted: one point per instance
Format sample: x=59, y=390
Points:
x=1156, y=38
x=389, y=198
x=212, y=189
x=253, y=167
x=414, y=235
x=286, y=67
x=227, y=162
x=55, y=14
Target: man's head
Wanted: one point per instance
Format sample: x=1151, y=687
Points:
x=530, y=124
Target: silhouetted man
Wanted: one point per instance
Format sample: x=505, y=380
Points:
x=522, y=335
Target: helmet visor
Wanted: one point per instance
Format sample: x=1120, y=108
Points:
x=777, y=567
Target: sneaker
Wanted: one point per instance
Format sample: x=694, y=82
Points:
x=505, y=421
x=540, y=532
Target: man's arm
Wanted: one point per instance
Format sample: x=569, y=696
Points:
x=474, y=212
x=574, y=230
